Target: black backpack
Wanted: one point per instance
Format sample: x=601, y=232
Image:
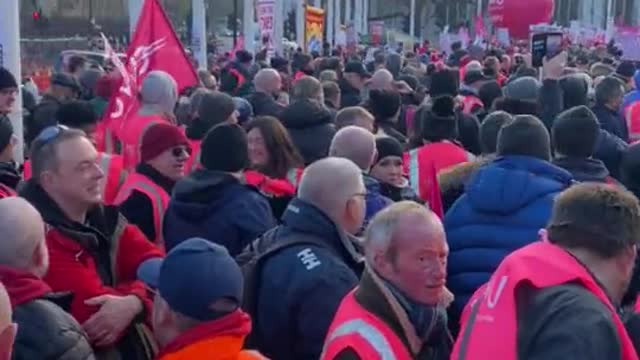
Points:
x=252, y=260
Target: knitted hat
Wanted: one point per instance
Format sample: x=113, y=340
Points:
x=7, y=80
x=225, y=148
x=444, y=82
x=575, y=132
x=525, y=89
x=626, y=70
x=6, y=132
x=439, y=123
x=384, y=104
x=215, y=108
x=159, y=138
x=388, y=146
x=526, y=135
x=245, y=110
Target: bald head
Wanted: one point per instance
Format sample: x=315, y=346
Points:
x=381, y=79
x=267, y=81
x=329, y=183
x=356, y=144
x=473, y=65
x=23, y=236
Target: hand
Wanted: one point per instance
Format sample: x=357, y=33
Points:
x=115, y=314
x=554, y=67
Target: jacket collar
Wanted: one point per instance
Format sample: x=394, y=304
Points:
x=155, y=176
x=22, y=286
x=237, y=324
x=301, y=216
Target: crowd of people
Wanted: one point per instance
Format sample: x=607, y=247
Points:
x=418, y=206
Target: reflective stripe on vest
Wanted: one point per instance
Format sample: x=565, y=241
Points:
x=367, y=332
x=414, y=171
x=159, y=199
x=292, y=177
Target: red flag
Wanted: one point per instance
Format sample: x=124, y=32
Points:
x=155, y=46
x=434, y=197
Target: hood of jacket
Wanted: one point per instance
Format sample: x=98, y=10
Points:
x=304, y=114
x=203, y=191
x=9, y=175
x=510, y=183
x=583, y=169
x=575, y=91
x=22, y=286
x=371, y=184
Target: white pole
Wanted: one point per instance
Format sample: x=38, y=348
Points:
x=365, y=16
x=412, y=20
x=135, y=7
x=300, y=7
x=199, y=33
x=10, y=59
x=278, y=26
x=479, y=9
x=329, y=21
x=248, y=24
x=338, y=21
x=358, y=16
x=347, y=13
x=609, y=21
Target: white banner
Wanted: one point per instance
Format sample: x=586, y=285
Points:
x=199, y=33
x=266, y=23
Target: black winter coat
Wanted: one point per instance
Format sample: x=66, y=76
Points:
x=264, y=105
x=47, y=332
x=311, y=129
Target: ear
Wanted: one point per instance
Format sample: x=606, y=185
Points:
x=7, y=337
x=46, y=178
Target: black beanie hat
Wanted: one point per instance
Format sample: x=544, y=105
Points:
x=6, y=131
x=76, y=114
x=388, y=146
x=526, y=135
x=7, y=80
x=439, y=123
x=384, y=104
x=225, y=148
x=575, y=132
x=444, y=82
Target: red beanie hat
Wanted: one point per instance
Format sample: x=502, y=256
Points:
x=161, y=137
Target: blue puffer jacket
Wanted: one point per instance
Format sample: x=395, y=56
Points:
x=375, y=200
x=504, y=206
x=218, y=207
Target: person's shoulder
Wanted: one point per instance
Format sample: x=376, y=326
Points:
x=572, y=296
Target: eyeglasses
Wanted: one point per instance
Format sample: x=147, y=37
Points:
x=49, y=134
x=180, y=150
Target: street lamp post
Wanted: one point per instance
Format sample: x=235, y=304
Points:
x=10, y=59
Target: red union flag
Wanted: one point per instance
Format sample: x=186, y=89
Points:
x=155, y=46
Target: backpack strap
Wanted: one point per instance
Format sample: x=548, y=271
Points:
x=253, y=271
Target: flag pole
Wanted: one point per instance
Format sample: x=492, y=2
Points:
x=135, y=6
x=10, y=59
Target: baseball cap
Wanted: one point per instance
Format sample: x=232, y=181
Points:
x=194, y=274
x=357, y=68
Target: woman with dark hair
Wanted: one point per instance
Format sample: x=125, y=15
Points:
x=275, y=162
x=385, y=105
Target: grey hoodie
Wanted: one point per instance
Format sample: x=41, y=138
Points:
x=159, y=93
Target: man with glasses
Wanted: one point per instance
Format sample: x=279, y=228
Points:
x=94, y=253
x=310, y=261
x=144, y=196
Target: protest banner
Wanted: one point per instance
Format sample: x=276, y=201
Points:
x=313, y=28
x=266, y=25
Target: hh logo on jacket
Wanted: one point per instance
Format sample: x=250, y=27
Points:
x=308, y=258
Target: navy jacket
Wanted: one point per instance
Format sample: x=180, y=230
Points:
x=611, y=121
x=218, y=207
x=610, y=149
x=301, y=286
x=504, y=206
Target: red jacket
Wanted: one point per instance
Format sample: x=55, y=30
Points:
x=93, y=259
x=541, y=265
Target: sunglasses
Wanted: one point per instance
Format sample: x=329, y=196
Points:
x=49, y=134
x=180, y=150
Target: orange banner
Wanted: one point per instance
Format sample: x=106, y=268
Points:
x=313, y=28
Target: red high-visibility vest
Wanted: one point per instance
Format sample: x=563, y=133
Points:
x=194, y=160
x=356, y=328
x=158, y=196
x=469, y=103
x=112, y=166
x=6, y=191
x=492, y=309
x=131, y=137
x=434, y=156
x=632, y=117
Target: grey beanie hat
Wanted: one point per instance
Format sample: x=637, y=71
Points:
x=525, y=88
x=159, y=93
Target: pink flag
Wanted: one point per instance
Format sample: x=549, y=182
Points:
x=479, y=27
x=155, y=46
